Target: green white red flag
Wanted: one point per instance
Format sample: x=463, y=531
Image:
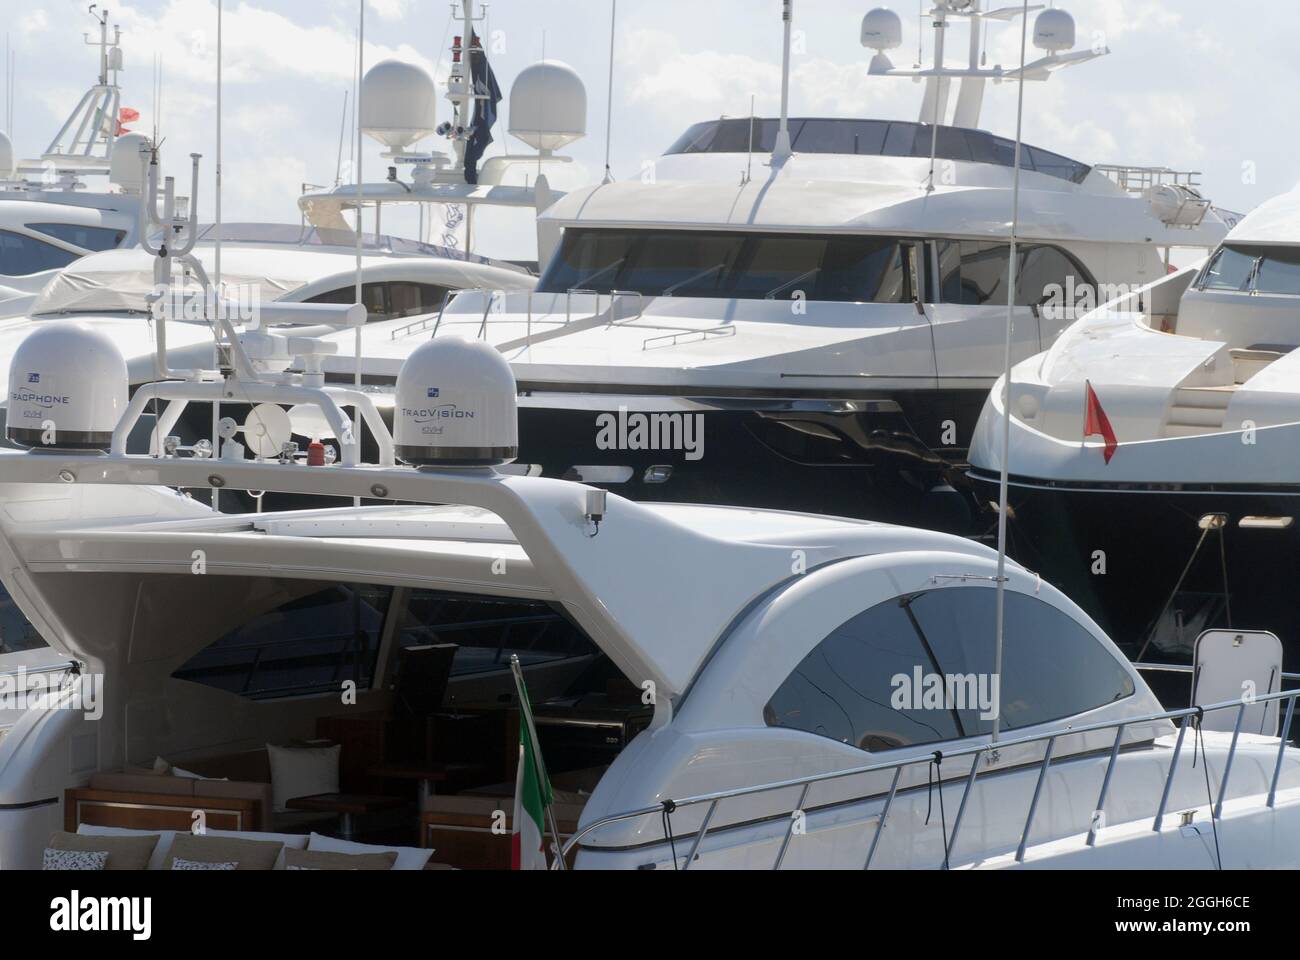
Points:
x=532, y=795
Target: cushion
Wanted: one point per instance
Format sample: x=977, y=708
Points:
x=291, y=841
x=179, y=863
x=124, y=852
x=190, y=775
x=302, y=772
x=248, y=854
x=160, y=851
x=408, y=858
x=321, y=860
x=75, y=859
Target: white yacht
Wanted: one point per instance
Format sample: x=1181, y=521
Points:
x=49, y=215
x=723, y=687
x=809, y=312
x=1193, y=378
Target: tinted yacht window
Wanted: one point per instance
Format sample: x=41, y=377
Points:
x=1052, y=667
x=21, y=256
x=88, y=238
x=1279, y=271
x=748, y=266
x=308, y=645
x=892, y=138
x=488, y=630
x=976, y=272
x=842, y=689
x=1042, y=267
x=388, y=301
x=846, y=688
x=1230, y=269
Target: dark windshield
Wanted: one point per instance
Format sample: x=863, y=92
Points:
x=879, y=138
x=745, y=266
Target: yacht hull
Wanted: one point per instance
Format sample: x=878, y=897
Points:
x=876, y=459
x=1122, y=552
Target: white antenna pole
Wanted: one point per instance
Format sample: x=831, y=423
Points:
x=609, y=107
x=1006, y=379
x=217, y=210
x=216, y=272
x=361, y=64
x=782, y=149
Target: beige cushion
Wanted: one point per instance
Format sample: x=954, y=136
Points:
x=249, y=854
x=320, y=860
x=302, y=773
x=124, y=853
x=408, y=858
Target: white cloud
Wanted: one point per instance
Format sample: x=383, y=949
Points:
x=389, y=9
x=32, y=23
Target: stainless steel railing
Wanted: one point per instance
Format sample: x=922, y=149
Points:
x=1189, y=717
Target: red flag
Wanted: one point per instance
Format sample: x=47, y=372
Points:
x=126, y=115
x=1096, y=423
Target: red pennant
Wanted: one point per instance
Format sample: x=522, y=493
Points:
x=1096, y=423
x=126, y=115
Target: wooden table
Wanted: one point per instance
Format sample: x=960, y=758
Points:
x=426, y=774
x=347, y=806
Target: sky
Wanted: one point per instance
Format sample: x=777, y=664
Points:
x=1188, y=84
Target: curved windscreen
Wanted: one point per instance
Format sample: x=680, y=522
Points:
x=875, y=138
x=1269, y=271
x=742, y=266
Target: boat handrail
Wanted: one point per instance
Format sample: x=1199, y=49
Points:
x=1189, y=717
x=63, y=666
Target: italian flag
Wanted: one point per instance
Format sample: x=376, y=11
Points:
x=532, y=797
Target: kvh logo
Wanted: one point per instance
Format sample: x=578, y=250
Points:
x=33, y=378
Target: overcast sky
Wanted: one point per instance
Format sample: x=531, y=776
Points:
x=1189, y=83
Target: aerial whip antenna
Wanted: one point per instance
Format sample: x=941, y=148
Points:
x=609, y=106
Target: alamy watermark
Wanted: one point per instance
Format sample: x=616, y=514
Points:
x=946, y=691
x=651, y=431
x=23, y=690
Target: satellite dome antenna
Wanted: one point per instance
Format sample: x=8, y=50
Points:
x=1054, y=33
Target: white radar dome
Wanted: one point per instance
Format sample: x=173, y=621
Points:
x=1054, y=31
x=67, y=389
x=882, y=30
x=6, y=157
x=124, y=165
x=456, y=406
x=548, y=106
x=398, y=104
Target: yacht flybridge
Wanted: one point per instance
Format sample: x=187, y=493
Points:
x=741, y=666
x=1165, y=423
x=786, y=295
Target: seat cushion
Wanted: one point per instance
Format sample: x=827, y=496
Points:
x=324, y=860
x=124, y=852
x=408, y=858
x=249, y=854
x=302, y=772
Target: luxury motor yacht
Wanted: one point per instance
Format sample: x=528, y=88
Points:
x=1164, y=425
x=49, y=217
x=710, y=686
x=809, y=312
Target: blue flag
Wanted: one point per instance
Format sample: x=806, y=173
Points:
x=484, y=84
